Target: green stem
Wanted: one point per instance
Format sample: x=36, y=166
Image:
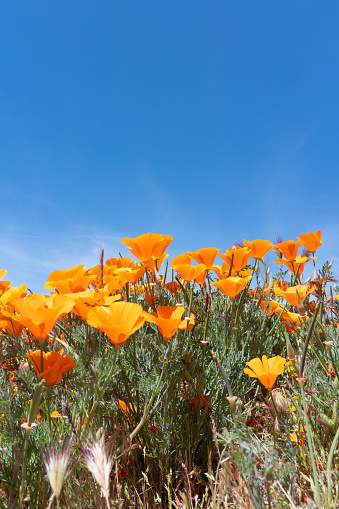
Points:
x=33, y=410
x=310, y=448
x=101, y=392
x=329, y=466
x=150, y=403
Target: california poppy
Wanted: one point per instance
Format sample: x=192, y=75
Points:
x=289, y=249
x=167, y=319
x=258, y=247
x=150, y=246
x=69, y=281
x=231, y=286
x=266, y=370
x=311, y=240
x=39, y=313
x=237, y=258
x=184, y=258
x=190, y=272
x=118, y=321
x=296, y=266
x=290, y=294
x=205, y=256
x=55, y=366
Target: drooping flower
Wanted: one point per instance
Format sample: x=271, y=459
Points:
x=311, y=240
x=231, y=286
x=150, y=246
x=266, y=370
x=258, y=247
x=55, y=366
x=118, y=321
x=40, y=313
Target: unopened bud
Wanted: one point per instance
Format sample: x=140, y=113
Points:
x=290, y=350
x=191, y=366
x=300, y=306
x=186, y=376
x=201, y=383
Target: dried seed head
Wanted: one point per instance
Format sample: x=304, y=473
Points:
x=280, y=402
x=97, y=461
x=56, y=465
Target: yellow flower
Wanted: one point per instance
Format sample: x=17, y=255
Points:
x=55, y=414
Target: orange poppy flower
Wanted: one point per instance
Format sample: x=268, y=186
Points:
x=4, y=285
x=258, y=247
x=187, y=323
x=150, y=299
x=173, y=287
x=270, y=307
x=239, y=255
x=131, y=274
x=232, y=286
x=120, y=263
x=190, y=272
x=205, y=256
x=289, y=249
x=127, y=409
x=184, y=258
x=10, y=295
x=40, y=313
x=150, y=246
x=55, y=366
x=167, y=319
x=290, y=294
x=84, y=301
x=105, y=274
x=291, y=321
x=12, y=326
x=118, y=321
x=69, y=281
x=311, y=240
x=297, y=265
x=266, y=370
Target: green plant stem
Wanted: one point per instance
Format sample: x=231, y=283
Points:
x=33, y=410
x=329, y=466
x=101, y=392
x=310, y=448
x=148, y=410
x=308, y=337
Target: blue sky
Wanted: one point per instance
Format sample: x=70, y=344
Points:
x=210, y=121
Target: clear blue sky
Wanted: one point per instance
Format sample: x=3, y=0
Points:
x=212, y=121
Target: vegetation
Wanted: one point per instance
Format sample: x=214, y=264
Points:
x=184, y=385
